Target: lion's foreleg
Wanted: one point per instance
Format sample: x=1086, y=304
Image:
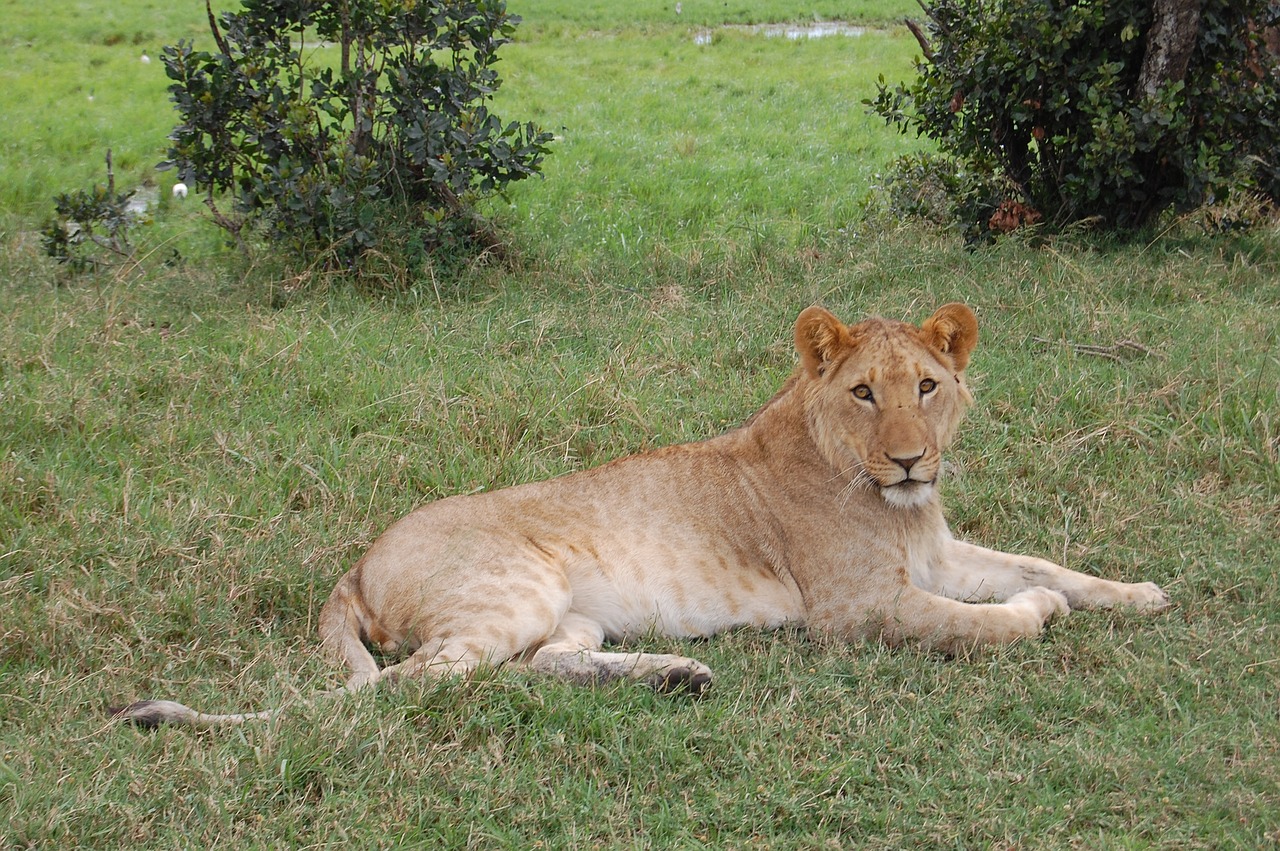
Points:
x=970, y=572
x=950, y=626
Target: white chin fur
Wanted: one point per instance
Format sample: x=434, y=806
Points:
x=912, y=495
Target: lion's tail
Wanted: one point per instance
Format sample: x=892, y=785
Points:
x=341, y=631
x=153, y=713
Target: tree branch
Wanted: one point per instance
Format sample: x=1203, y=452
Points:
x=920, y=37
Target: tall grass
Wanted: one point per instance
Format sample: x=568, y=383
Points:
x=190, y=456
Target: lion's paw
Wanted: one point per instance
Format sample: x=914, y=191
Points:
x=363, y=680
x=687, y=676
x=1045, y=602
x=1146, y=597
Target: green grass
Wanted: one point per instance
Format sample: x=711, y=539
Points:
x=666, y=146
x=73, y=84
x=603, y=15
x=190, y=456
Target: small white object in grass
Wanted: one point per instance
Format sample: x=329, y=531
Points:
x=146, y=60
x=179, y=190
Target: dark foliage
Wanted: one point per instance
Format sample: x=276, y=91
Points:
x=90, y=228
x=1039, y=106
x=338, y=126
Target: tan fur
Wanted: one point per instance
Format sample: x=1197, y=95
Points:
x=821, y=511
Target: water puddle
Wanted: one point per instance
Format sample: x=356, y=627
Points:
x=141, y=200
x=794, y=32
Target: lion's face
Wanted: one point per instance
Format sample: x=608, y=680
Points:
x=884, y=398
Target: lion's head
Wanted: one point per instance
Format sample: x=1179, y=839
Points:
x=883, y=398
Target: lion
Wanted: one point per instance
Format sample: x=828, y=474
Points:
x=821, y=511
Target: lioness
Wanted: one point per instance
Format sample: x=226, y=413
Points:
x=822, y=510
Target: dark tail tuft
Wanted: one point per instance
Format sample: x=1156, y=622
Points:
x=143, y=713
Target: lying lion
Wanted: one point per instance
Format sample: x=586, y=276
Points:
x=822, y=511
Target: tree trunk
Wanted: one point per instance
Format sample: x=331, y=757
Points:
x=1175, y=25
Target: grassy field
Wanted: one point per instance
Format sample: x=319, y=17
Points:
x=190, y=456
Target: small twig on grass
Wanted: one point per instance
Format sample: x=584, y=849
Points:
x=1121, y=350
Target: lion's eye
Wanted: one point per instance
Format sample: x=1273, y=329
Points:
x=928, y=386
x=863, y=392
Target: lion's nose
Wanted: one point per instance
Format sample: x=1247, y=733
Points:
x=907, y=463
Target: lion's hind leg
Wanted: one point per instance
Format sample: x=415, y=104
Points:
x=344, y=626
x=485, y=627
x=449, y=658
x=573, y=653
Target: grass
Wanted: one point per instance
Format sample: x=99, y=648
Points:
x=746, y=149
x=74, y=84
x=190, y=456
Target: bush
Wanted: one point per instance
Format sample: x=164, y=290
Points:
x=1043, y=100
x=338, y=125
x=90, y=228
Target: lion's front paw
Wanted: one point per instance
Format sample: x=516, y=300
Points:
x=1146, y=597
x=1045, y=603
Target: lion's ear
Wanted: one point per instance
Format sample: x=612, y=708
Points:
x=952, y=330
x=820, y=337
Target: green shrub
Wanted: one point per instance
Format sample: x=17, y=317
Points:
x=90, y=228
x=1044, y=99
x=334, y=124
